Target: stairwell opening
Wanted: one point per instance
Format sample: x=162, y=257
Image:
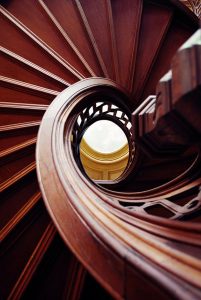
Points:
x=104, y=150
x=102, y=140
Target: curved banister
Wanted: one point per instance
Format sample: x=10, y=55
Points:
x=113, y=242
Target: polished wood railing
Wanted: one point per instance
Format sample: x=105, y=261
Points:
x=129, y=239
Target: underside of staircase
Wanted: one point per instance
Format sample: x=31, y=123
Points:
x=45, y=47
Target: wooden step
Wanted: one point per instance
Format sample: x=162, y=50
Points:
x=18, y=247
x=19, y=113
x=25, y=44
x=15, y=66
x=100, y=36
x=10, y=136
x=19, y=91
x=66, y=18
x=126, y=20
x=177, y=34
x=36, y=257
x=49, y=38
x=45, y=282
x=158, y=18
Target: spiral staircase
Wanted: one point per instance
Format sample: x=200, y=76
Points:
x=68, y=237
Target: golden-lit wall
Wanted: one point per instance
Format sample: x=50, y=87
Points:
x=103, y=166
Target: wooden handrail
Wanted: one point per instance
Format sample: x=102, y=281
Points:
x=115, y=243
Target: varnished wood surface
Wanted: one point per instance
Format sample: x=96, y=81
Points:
x=87, y=201
x=45, y=47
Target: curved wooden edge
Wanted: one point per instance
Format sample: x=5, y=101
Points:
x=99, y=238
